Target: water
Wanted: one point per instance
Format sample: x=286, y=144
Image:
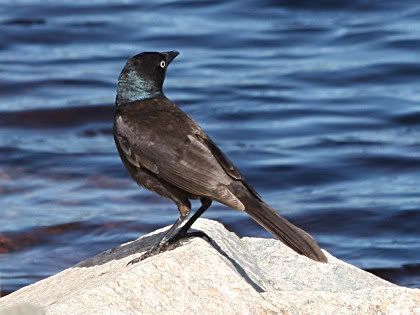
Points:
x=317, y=104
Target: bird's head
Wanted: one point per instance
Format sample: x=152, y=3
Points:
x=143, y=75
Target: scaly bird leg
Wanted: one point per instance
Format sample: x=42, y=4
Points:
x=171, y=236
x=182, y=233
x=160, y=246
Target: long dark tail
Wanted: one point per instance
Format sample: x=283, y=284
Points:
x=294, y=237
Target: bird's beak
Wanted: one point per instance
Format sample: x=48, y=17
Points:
x=170, y=55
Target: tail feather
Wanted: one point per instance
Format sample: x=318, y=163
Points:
x=294, y=237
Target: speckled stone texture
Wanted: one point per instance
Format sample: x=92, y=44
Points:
x=228, y=276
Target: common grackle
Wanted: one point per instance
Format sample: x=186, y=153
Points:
x=165, y=151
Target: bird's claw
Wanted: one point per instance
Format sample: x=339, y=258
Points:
x=184, y=235
x=157, y=249
x=168, y=245
x=135, y=260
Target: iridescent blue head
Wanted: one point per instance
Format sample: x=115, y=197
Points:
x=142, y=76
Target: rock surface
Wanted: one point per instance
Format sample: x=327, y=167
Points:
x=228, y=276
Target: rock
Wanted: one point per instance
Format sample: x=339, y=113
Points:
x=22, y=309
x=228, y=276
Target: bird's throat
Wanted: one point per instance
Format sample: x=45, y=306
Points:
x=134, y=88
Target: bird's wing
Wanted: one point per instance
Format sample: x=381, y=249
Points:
x=176, y=154
x=224, y=161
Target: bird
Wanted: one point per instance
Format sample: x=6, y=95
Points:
x=164, y=150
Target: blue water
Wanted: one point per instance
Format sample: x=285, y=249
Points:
x=317, y=104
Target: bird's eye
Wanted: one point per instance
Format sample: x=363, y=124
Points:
x=162, y=64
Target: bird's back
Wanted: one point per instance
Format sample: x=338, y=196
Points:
x=158, y=115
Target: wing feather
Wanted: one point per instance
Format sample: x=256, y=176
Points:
x=186, y=163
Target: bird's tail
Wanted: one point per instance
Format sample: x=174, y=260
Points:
x=294, y=237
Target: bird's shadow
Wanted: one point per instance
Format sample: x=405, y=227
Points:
x=141, y=245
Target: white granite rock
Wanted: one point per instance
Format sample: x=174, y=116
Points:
x=228, y=276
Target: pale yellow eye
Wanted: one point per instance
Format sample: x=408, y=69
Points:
x=162, y=64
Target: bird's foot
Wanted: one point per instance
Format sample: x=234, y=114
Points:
x=156, y=249
x=173, y=243
x=182, y=235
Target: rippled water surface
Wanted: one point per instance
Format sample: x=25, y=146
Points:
x=317, y=104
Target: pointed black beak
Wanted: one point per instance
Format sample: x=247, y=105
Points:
x=170, y=55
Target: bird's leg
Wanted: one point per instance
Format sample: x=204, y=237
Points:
x=205, y=204
x=164, y=241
